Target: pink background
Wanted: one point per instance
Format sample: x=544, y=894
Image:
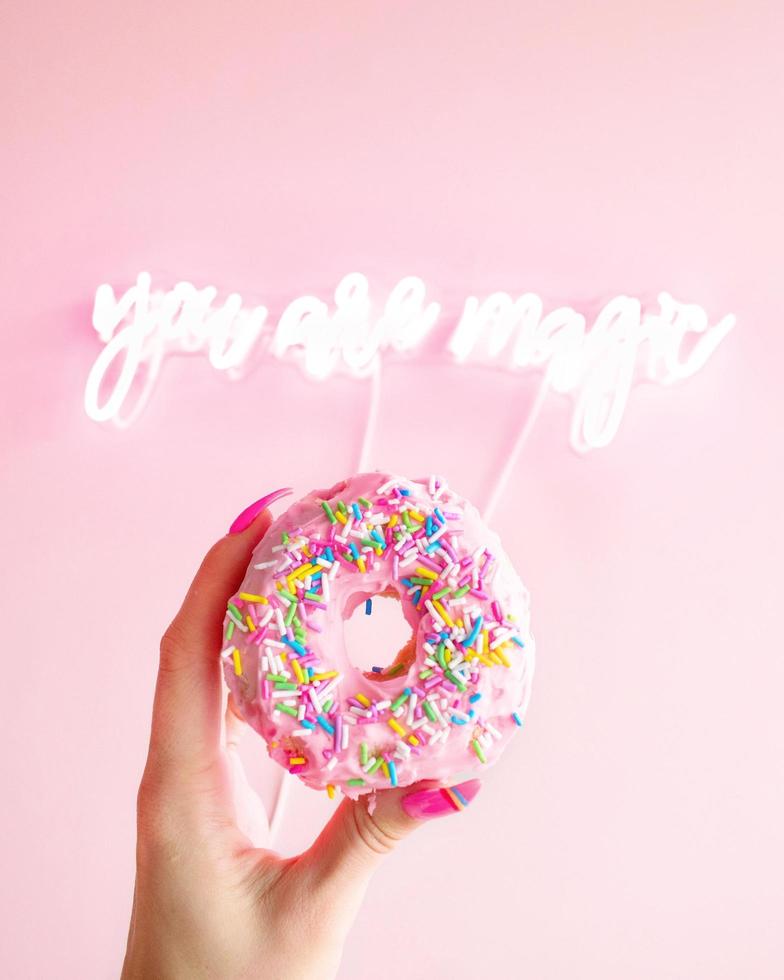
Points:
x=579, y=150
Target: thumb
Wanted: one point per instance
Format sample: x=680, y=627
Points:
x=362, y=831
x=188, y=693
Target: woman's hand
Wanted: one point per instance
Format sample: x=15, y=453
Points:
x=208, y=902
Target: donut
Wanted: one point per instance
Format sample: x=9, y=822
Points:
x=455, y=693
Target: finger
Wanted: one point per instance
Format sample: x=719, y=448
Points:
x=233, y=724
x=250, y=813
x=238, y=720
x=186, y=724
x=360, y=834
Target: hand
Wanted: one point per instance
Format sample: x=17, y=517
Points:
x=207, y=901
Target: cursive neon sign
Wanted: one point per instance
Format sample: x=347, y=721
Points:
x=596, y=366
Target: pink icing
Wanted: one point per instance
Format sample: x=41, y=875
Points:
x=468, y=687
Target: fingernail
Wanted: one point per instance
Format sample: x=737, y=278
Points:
x=427, y=803
x=247, y=517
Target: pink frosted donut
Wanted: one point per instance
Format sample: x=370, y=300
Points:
x=455, y=693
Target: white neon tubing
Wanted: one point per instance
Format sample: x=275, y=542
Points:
x=596, y=366
x=514, y=454
x=371, y=419
x=279, y=805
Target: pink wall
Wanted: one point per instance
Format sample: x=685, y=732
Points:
x=576, y=149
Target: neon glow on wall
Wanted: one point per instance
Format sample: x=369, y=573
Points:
x=596, y=366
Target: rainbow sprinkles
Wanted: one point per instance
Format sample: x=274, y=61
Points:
x=453, y=696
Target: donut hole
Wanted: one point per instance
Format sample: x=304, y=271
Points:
x=382, y=639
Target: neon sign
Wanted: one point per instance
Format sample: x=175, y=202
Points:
x=596, y=366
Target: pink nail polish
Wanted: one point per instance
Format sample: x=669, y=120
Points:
x=437, y=802
x=247, y=517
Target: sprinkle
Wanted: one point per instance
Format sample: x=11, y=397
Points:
x=478, y=749
x=368, y=606
x=443, y=614
x=392, y=773
x=500, y=638
x=330, y=791
x=298, y=761
x=326, y=725
x=517, y=719
x=330, y=685
x=355, y=782
x=396, y=726
x=401, y=698
x=329, y=512
x=287, y=709
x=235, y=618
x=338, y=733
x=459, y=684
x=469, y=640
x=237, y=662
x=250, y=597
x=429, y=710
x=434, y=613
x=304, y=570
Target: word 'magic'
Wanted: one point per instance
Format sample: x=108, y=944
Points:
x=596, y=364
